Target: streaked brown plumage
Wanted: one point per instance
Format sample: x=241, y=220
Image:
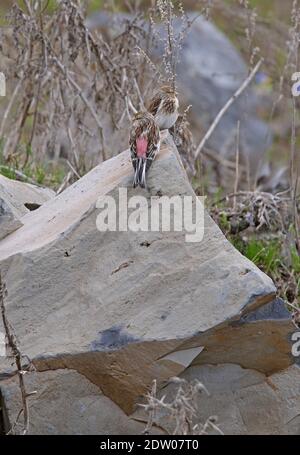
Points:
x=164, y=107
x=144, y=144
x=184, y=142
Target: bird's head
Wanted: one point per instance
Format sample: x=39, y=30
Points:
x=168, y=90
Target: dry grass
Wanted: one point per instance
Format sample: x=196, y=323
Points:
x=261, y=226
x=18, y=427
x=182, y=410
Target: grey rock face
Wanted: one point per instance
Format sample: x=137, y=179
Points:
x=124, y=308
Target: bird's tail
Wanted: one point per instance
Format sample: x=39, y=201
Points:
x=140, y=173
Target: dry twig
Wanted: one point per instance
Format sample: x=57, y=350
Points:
x=12, y=343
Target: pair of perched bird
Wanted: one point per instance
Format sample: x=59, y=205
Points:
x=144, y=138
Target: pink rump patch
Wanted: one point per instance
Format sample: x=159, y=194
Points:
x=141, y=147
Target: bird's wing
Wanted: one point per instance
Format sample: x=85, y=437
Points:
x=153, y=143
x=169, y=105
x=155, y=104
x=132, y=145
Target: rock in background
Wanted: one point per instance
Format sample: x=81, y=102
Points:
x=119, y=309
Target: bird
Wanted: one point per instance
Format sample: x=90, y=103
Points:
x=164, y=107
x=144, y=142
x=183, y=139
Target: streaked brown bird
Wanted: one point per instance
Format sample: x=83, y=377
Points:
x=183, y=139
x=144, y=144
x=164, y=107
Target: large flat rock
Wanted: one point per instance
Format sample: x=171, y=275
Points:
x=123, y=308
